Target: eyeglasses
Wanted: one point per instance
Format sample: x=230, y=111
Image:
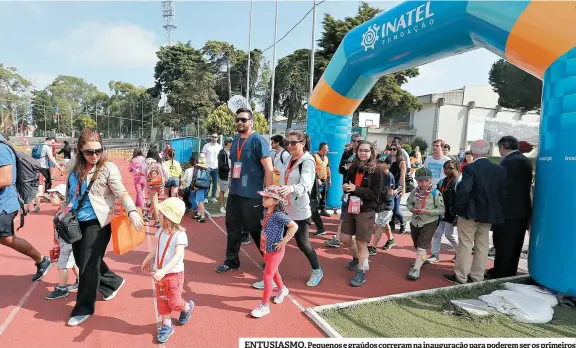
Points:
x=90, y=152
x=293, y=142
x=393, y=149
x=242, y=119
x=364, y=150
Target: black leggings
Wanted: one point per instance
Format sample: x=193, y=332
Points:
x=303, y=241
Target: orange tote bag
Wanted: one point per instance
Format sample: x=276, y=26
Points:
x=125, y=236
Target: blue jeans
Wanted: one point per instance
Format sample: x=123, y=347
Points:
x=197, y=196
x=214, y=181
x=397, y=213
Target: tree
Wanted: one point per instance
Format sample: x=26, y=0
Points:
x=421, y=143
x=516, y=88
x=13, y=94
x=291, y=87
x=220, y=121
x=386, y=97
x=223, y=56
x=260, y=123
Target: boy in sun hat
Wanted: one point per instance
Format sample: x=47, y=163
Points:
x=166, y=260
x=66, y=260
x=427, y=206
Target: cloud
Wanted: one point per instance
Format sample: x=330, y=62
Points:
x=108, y=45
x=41, y=80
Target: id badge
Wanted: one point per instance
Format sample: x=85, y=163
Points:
x=354, y=205
x=162, y=288
x=236, y=170
x=263, y=242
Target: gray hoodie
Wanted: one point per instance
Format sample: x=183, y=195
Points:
x=300, y=185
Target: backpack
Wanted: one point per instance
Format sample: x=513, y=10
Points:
x=281, y=158
x=37, y=151
x=27, y=179
x=201, y=178
x=155, y=175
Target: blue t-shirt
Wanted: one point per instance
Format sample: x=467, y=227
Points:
x=87, y=212
x=389, y=183
x=8, y=194
x=252, y=173
x=274, y=229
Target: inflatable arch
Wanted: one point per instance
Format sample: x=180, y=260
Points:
x=537, y=36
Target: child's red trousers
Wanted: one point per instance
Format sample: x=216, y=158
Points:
x=169, y=294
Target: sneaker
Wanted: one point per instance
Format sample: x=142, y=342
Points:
x=73, y=287
x=325, y=213
x=185, y=316
x=333, y=243
x=432, y=259
x=372, y=250
x=41, y=269
x=113, y=295
x=214, y=200
x=389, y=244
x=281, y=294
x=205, y=200
x=260, y=285
x=59, y=292
x=319, y=233
x=402, y=229
x=260, y=310
x=223, y=210
x=246, y=240
x=414, y=274
x=202, y=220
x=224, y=269
x=359, y=278
x=352, y=265
x=78, y=319
x=164, y=334
x=197, y=216
x=315, y=277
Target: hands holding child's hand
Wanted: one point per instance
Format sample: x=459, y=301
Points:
x=280, y=245
x=159, y=275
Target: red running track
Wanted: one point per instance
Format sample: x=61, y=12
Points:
x=223, y=301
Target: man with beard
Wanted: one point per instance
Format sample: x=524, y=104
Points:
x=251, y=171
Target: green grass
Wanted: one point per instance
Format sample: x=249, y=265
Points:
x=432, y=315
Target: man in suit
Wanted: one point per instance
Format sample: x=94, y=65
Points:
x=509, y=236
x=478, y=206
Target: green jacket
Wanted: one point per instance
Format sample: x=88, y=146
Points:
x=433, y=204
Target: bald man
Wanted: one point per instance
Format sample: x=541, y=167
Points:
x=478, y=197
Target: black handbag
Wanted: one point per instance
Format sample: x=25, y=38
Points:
x=67, y=227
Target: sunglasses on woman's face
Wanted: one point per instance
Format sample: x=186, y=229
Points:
x=90, y=152
x=393, y=149
x=293, y=142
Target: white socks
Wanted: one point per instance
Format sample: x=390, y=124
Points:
x=420, y=257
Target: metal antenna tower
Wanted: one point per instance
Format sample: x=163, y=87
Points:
x=169, y=15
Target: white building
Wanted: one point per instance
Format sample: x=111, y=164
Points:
x=462, y=116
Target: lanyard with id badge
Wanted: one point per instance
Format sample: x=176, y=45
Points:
x=237, y=168
x=289, y=170
x=162, y=284
x=354, y=202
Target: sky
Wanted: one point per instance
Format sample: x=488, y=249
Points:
x=102, y=41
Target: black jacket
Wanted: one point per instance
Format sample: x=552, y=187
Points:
x=480, y=192
x=369, y=189
x=343, y=160
x=449, y=197
x=517, y=203
x=223, y=165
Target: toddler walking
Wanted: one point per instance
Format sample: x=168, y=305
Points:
x=427, y=206
x=168, y=264
x=273, y=246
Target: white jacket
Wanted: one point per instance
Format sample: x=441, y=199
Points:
x=300, y=185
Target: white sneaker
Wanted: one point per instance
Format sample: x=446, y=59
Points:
x=281, y=294
x=77, y=320
x=260, y=310
x=260, y=285
x=113, y=295
x=223, y=210
x=215, y=200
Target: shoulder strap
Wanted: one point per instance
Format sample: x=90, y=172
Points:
x=83, y=198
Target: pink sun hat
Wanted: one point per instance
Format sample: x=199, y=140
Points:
x=272, y=191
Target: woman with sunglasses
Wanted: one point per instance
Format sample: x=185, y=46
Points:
x=398, y=169
x=297, y=177
x=94, y=217
x=363, y=185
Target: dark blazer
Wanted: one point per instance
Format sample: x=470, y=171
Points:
x=517, y=203
x=479, y=194
x=223, y=165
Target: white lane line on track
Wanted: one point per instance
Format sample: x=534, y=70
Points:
x=31, y=289
x=292, y=299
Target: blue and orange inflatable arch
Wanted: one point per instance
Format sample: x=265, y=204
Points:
x=537, y=36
